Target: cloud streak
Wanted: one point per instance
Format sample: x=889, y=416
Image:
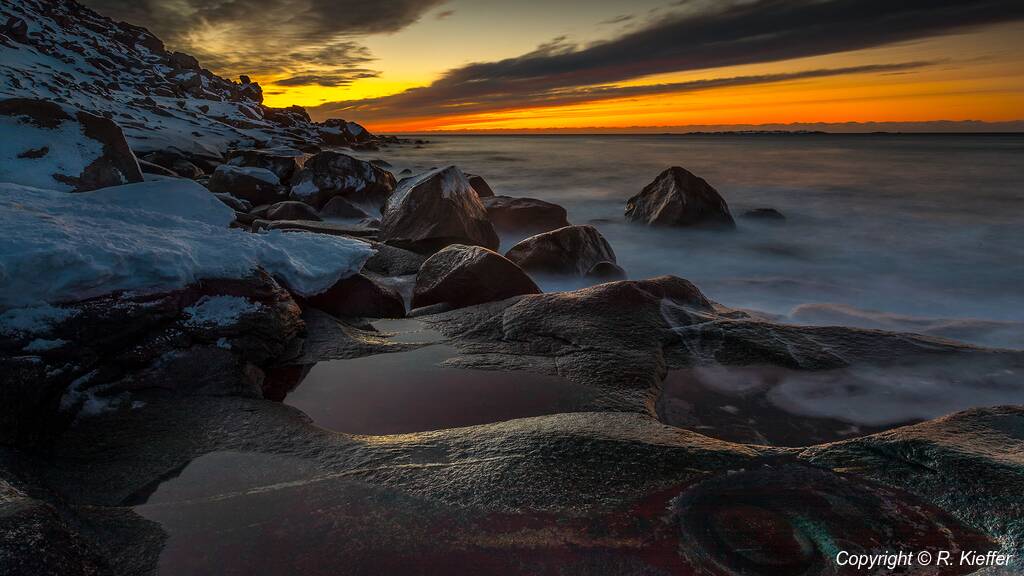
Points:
x=701, y=36
x=262, y=37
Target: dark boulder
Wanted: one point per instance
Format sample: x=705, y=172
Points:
x=679, y=198
x=339, y=207
x=461, y=275
x=606, y=272
x=236, y=204
x=572, y=250
x=330, y=174
x=530, y=215
x=292, y=210
x=103, y=156
x=284, y=162
x=176, y=161
x=182, y=61
x=256, y=185
x=482, y=188
x=151, y=168
x=213, y=337
x=434, y=210
x=767, y=214
x=360, y=296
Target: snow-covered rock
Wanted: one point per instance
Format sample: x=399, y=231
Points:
x=256, y=185
x=330, y=174
x=281, y=161
x=161, y=235
x=64, y=52
x=51, y=146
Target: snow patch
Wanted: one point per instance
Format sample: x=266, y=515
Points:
x=261, y=174
x=219, y=310
x=42, y=345
x=60, y=247
x=32, y=319
x=64, y=150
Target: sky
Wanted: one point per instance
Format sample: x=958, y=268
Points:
x=476, y=65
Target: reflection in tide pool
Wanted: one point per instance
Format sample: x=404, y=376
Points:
x=411, y=391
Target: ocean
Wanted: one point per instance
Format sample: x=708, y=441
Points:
x=921, y=233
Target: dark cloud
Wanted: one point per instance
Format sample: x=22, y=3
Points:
x=702, y=35
x=328, y=80
x=382, y=108
x=619, y=19
x=263, y=36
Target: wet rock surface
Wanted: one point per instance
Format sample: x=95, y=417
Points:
x=599, y=485
x=677, y=197
x=436, y=209
x=524, y=214
x=461, y=275
x=572, y=251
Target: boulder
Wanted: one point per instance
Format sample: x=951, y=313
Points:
x=235, y=204
x=151, y=168
x=213, y=337
x=436, y=209
x=572, y=250
x=509, y=214
x=330, y=174
x=482, y=188
x=182, y=61
x=461, y=275
x=292, y=210
x=391, y=261
x=361, y=297
x=679, y=198
x=256, y=185
x=339, y=207
x=606, y=272
x=48, y=146
x=284, y=162
x=175, y=160
x=767, y=214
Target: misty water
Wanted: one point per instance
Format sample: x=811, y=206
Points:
x=921, y=233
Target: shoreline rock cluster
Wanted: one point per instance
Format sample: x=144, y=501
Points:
x=103, y=398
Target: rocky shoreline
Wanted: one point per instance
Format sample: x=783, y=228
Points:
x=680, y=423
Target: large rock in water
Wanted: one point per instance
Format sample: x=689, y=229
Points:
x=434, y=210
x=45, y=145
x=524, y=214
x=330, y=174
x=461, y=275
x=572, y=250
x=256, y=185
x=679, y=198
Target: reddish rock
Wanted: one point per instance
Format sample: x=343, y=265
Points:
x=572, y=250
x=524, y=214
x=434, y=210
x=461, y=275
x=482, y=188
x=679, y=198
x=359, y=296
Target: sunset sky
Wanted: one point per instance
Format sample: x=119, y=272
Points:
x=420, y=65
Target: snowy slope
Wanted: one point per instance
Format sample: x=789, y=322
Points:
x=61, y=51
